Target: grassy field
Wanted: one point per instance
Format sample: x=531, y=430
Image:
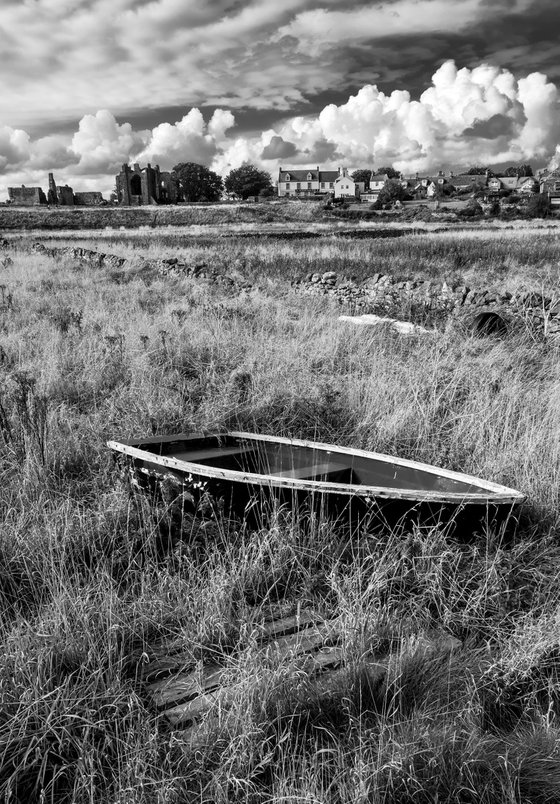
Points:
x=89, y=589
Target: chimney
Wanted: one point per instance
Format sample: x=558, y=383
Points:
x=339, y=171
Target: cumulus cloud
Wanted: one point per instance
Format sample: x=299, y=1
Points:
x=188, y=140
x=482, y=115
x=14, y=147
x=92, y=155
x=101, y=144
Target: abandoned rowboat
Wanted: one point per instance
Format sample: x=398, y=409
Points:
x=237, y=470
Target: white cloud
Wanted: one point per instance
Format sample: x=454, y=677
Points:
x=451, y=124
x=479, y=115
x=14, y=147
x=188, y=140
x=101, y=144
x=317, y=28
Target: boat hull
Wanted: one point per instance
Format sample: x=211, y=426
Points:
x=247, y=475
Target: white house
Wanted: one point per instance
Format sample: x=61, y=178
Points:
x=306, y=183
x=346, y=187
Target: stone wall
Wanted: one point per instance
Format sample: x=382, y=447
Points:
x=417, y=301
x=91, y=199
x=430, y=302
x=26, y=196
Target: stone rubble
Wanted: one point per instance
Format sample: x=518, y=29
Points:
x=380, y=294
x=428, y=300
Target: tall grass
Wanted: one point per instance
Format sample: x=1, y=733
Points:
x=449, y=687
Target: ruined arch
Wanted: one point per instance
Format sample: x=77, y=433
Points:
x=136, y=185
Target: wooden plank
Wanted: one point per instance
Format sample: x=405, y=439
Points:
x=166, y=665
x=222, y=697
x=294, y=645
x=181, y=686
x=285, y=625
x=312, y=472
x=193, y=710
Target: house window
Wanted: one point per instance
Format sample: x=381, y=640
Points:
x=287, y=185
x=322, y=185
x=298, y=186
x=309, y=177
x=287, y=177
x=331, y=184
x=557, y=186
x=309, y=185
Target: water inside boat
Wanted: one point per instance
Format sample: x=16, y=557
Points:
x=292, y=461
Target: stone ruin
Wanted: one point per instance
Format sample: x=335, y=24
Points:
x=26, y=196
x=138, y=186
x=56, y=196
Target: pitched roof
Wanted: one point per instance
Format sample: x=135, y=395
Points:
x=301, y=175
x=467, y=179
x=379, y=177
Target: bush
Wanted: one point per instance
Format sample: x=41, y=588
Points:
x=538, y=207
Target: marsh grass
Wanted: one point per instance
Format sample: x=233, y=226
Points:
x=449, y=687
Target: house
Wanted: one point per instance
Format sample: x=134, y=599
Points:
x=550, y=187
x=527, y=185
x=376, y=183
x=306, y=183
x=346, y=187
x=464, y=182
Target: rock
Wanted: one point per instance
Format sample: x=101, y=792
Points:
x=315, y=278
x=329, y=276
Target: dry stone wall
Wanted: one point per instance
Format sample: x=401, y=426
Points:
x=418, y=301
x=432, y=302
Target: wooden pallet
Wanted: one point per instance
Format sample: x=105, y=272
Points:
x=183, y=693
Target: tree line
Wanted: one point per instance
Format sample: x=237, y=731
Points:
x=199, y=183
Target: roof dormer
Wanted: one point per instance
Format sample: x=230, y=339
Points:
x=286, y=177
x=309, y=176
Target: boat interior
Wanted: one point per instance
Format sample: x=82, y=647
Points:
x=292, y=461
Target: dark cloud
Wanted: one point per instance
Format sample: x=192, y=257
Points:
x=491, y=129
x=278, y=148
x=322, y=151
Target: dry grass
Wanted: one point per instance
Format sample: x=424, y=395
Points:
x=88, y=588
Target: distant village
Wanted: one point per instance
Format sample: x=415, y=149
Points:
x=137, y=186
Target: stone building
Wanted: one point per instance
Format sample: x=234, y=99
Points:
x=26, y=196
x=138, y=186
x=56, y=196
x=88, y=199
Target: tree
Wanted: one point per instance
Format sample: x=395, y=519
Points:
x=390, y=171
x=247, y=180
x=477, y=170
x=538, y=207
x=197, y=182
x=362, y=175
x=392, y=192
x=519, y=170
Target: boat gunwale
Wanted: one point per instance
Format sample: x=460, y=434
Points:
x=490, y=492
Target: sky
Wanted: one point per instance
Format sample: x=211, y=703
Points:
x=87, y=85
